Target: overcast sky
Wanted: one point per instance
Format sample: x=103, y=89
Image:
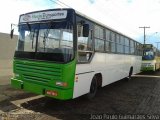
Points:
x=125, y=16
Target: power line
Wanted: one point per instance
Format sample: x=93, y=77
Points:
x=60, y=3
x=117, y=21
x=148, y=37
x=56, y=3
x=64, y=4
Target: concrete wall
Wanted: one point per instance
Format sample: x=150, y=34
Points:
x=7, y=48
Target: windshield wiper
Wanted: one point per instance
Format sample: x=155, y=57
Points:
x=44, y=38
x=46, y=34
x=31, y=34
x=32, y=38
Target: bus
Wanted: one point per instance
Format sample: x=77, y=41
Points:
x=64, y=54
x=150, y=58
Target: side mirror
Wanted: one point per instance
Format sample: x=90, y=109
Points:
x=11, y=34
x=85, y=30
x=12, y=30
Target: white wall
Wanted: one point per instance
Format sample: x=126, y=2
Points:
x=7, y=48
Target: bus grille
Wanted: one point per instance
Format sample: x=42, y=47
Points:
x=38, y=72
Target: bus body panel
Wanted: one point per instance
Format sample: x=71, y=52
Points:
x=136, y=63
x=40, y=77
x=84, y=75
x=113, y=67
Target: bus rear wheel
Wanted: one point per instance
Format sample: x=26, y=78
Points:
x=93, y=89
x=130, y=74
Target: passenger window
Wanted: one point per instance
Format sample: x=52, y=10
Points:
x=113, y=47
x=99, y=45
x=108, y=46
x=99, y=38
x=107, y=35
x=113, y=37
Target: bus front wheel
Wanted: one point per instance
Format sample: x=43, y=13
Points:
x=93, y=89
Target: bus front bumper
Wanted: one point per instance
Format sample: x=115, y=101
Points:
x=62, y=94
x=147, y=69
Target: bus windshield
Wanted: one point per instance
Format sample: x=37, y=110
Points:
x=148, y=55
x=46, y=39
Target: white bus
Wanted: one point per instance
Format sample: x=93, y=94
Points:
x=64, y=54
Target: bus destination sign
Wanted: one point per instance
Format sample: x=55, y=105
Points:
x=46, y=15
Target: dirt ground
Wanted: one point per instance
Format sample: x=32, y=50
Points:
x=139, y=96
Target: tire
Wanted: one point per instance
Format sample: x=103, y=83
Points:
x=93, y=89
x=130, y=74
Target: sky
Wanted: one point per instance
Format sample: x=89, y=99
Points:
x=125, y=16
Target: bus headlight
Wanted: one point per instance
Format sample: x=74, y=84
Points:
x=63, y=84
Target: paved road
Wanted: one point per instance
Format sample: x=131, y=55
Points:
x=140, y=96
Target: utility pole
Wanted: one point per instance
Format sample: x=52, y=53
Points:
x=157, y=44
x=144, y=33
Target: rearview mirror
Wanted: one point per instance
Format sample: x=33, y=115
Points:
x=11, y=34
x=12, y=29
x=85, y=30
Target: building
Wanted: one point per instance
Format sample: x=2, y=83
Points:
x=7, y=48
